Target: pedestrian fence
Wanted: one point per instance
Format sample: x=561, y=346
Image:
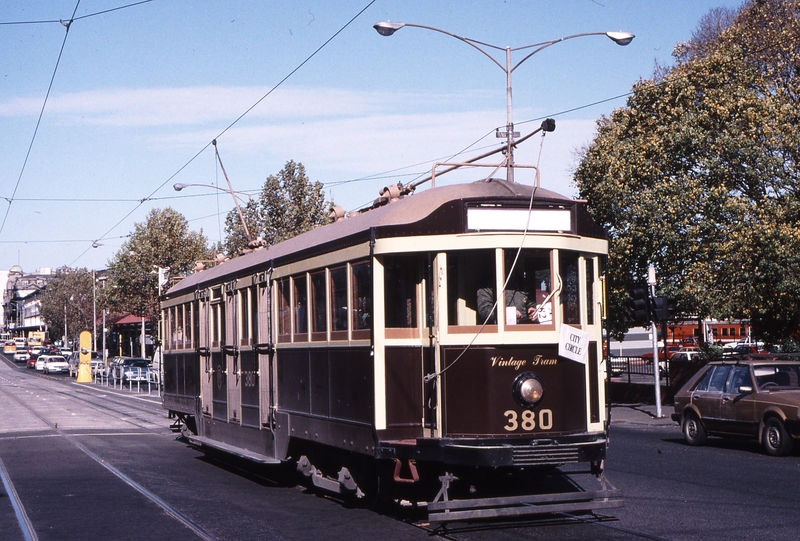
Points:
x=634, y=369
x=134, y=379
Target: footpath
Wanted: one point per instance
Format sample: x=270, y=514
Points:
x=641, y=414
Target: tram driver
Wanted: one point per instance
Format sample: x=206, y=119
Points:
x=521, y=307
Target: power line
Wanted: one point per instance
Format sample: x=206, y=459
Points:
x=74, y=18
x=240, y=117
x=38, y=122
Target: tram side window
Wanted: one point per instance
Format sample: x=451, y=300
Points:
x=338, y=300
x=179, y=328
x=217, y=324
x=319, y=320
x=245, y=322
x=362, y=300
x=170, y=341
x=570, y=299
x=402, y=278
x=284, y=310
x=300, y=308
x=469, y=272
x=590, y=291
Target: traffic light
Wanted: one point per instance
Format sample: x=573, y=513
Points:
x=637, y=309
x=663, y=308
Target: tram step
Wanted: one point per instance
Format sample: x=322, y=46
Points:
x=233, y=450
x=449, y=511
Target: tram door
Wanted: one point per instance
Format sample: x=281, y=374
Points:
x=248, y=360
x=231, y=353
x=204, y=323
x=219, y=368
x=409, y=327
x=262, y=344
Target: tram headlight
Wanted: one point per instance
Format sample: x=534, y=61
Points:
x=527, y=389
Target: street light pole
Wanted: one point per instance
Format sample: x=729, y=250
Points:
x=387, y=28
x=94, y=310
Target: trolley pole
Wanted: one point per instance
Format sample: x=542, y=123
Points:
x=651, y=281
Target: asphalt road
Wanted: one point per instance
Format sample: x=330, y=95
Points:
x=85, y=462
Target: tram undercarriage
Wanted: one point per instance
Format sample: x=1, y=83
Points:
x=444, y=492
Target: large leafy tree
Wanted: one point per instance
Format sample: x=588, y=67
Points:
x=68, y=298
x=698, y=175
x=289, y=204
x=163, y=240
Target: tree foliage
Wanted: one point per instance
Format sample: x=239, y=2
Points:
x=698, y=175
x=68, y=296
x=289, y=204
x=163, y=240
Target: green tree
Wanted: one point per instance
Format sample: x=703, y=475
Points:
x=163, y=240
x=68, y=296
x=698, y=175
x=289, y=204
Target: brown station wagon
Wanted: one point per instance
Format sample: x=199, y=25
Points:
x=744, y=398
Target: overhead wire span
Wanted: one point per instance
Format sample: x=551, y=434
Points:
x=240, y=117
x=38, y=123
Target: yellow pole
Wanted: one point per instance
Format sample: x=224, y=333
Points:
x=85, y=365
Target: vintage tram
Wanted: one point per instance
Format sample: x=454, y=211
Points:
x=371, y=353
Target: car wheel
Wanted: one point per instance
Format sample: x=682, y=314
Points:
x=775, y=438
x=693, y=430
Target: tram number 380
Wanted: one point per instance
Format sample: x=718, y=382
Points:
x=527, y=421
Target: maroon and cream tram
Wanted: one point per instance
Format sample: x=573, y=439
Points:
x=372, y=355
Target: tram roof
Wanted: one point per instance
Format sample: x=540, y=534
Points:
x=400, y=213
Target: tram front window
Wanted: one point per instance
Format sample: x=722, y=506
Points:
x=402, y=277
x=472, y=284
x=468, y=272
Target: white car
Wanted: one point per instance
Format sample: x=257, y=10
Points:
x=39, y=366
x=53, y=364
x=21, y=355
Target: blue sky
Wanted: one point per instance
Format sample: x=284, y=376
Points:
x=140, y=92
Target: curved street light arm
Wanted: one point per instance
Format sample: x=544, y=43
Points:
x=238, y=195
x=387, y=28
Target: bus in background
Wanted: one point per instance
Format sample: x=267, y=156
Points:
x=36, y=338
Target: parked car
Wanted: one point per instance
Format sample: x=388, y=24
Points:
x=74, y=361
x=54, y=364
x=129, y=368
x=685, y=354
x=746, y=349
x=21, y=355
x=757, y=399
x=663, y=353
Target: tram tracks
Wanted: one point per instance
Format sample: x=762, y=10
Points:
x=25, y=524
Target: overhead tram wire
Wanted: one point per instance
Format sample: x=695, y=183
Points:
x=240, y=117
x=9, y=23
x=38, y=120
x=418, y=176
